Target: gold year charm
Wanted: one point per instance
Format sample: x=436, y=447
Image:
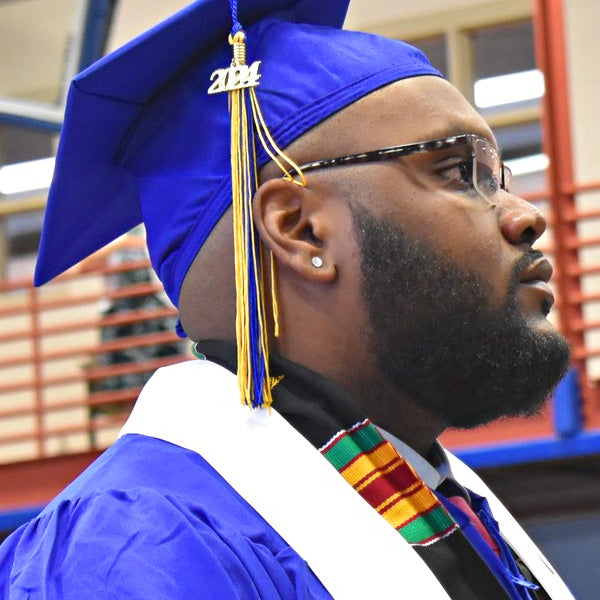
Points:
x=235, y=77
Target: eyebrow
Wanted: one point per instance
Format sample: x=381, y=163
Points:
x=462, y=129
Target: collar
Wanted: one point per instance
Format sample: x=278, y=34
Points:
x=432, y=475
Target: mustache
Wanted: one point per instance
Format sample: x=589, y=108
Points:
x=525, y=262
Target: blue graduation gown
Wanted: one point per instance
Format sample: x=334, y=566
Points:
x=151, y=520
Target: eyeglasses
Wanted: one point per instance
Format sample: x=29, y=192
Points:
x=478, y=168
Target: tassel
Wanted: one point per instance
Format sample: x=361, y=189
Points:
x=240, y=80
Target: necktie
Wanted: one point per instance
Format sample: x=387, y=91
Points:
x=463, y=505
x=458, y=495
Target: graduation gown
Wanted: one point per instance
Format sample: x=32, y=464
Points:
x=151, y=520
x=153, y=517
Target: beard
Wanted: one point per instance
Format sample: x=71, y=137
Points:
x=439, y=341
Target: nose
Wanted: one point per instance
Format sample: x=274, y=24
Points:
x=520, y=221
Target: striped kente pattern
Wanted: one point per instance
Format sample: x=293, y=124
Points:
x=388, y=483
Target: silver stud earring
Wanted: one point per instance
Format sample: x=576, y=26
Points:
x=316, y=261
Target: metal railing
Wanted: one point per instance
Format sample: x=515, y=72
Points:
x=65, y=385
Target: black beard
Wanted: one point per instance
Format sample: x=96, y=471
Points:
x=438, y=340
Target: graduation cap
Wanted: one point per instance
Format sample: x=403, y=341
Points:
x=143, y=140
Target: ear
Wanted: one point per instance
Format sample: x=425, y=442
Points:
x=293, y=222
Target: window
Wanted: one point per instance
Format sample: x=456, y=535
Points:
x=42, y=47
x=505, y=76
x=489, y=56
x=435, y=49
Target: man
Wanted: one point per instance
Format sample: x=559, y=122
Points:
x=405, y=288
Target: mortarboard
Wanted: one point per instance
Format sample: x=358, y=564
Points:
x=143, y=141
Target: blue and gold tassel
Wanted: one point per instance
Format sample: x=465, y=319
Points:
x=239, y=80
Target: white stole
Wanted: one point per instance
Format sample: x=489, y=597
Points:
x=351, y=549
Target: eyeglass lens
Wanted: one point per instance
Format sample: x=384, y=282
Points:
x=489, y=174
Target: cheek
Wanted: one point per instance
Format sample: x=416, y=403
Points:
x=470, y=239
x=486, y=253
x=348, y=254
x=469, y=235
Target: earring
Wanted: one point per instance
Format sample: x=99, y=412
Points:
x=316, y=261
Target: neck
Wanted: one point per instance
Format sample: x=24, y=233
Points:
x=395, y=412
x=383, y=403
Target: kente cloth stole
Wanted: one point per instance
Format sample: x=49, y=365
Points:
x=388, y=483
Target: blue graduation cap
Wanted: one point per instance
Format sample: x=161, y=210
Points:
x=144, y=141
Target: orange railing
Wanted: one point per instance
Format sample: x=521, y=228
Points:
x=65, y=387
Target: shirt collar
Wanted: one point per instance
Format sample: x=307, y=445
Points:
x=432, y=471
